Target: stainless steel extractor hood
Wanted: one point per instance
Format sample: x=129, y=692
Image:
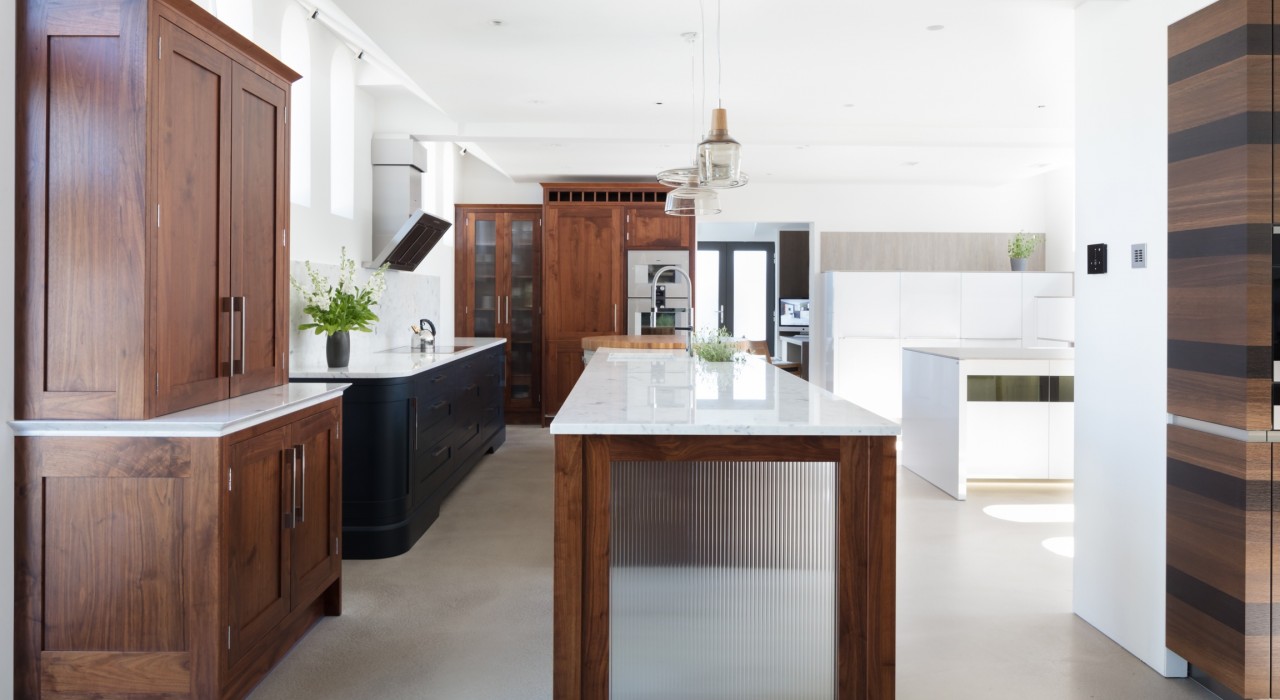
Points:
x=403, y=233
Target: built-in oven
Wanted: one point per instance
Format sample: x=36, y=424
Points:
x=641, y=320
x=643, y=264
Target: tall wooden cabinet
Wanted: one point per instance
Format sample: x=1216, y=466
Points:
x=1222, y=573
x=589, y=228
x=152, y=210
x=498, y=278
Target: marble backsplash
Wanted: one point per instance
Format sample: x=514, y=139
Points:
x=409, y=297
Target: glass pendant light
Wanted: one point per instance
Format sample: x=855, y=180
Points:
x=692, y=201
x=719, y=157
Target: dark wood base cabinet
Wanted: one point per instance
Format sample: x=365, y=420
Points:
x=174, y=567
x=410, y=441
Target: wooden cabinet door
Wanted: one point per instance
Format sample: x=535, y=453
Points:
x=258, y=509
x=654, y=228
x=318, y=515
x=193, y=223
x=582, y=272
x=259, y=259
x=563, y=367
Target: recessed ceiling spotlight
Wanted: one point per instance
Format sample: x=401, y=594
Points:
x=936, y=27
x=658, y=103
x=1041, y=165
x=1041, y=106
x=496, y=22
x=537, y=102
x=911, y=163
x=847, y=104
x=802, y=147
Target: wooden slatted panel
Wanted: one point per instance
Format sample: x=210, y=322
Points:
x=1220, y=214
x=1218, y=575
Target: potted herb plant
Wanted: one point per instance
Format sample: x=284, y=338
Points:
x=1021, y=246
x=338, y=309
x=714, y=346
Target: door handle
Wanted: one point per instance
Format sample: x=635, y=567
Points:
x=290, y=517
x=244, y=333
x=615, y=318
x=508, y=309
x=301, y=516
x=230, y=303
x=722, y=314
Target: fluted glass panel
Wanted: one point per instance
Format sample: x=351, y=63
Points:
x=722, y=580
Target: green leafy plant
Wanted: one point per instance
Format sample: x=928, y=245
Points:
x=1022, y=245
x=344, y=306
x=714, y=346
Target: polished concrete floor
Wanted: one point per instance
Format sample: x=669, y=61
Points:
x=984, y=608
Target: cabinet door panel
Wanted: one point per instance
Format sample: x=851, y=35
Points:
x=193, y=168
x=654, y=228
x=563, y=368
x=582, y=263
x=314, y=547
x=259, y=261
x=257, y=543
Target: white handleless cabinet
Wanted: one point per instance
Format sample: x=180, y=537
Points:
x=865, y=305
x=930, y=305
x=991, y=306
x=1037, y=289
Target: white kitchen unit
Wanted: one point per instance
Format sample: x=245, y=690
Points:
x=871, y=316
x=987, y=413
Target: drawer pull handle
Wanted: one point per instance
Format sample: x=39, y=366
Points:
x=439, y=405
x=441, y=451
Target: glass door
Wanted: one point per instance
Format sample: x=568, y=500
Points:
x=736, y=289
x=485, y=276
x=521, y=315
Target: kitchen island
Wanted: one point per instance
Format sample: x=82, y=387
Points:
x=417, y=423
x=721, y=530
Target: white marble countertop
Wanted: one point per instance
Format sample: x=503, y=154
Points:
x=390, y=364
x=997, y=353
x=211, y=420
x=664, y=392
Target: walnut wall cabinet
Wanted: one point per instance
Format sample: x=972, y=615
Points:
x=1223, y=564
x=589, y=228
x=498, y=273
x=153, y=210
x=179, y=567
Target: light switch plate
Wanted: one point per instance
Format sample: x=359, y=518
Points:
x=1097, y=259
x=1138, y=254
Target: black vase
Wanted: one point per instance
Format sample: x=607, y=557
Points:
x=338, y=349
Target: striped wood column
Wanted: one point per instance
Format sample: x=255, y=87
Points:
x=1219, y=579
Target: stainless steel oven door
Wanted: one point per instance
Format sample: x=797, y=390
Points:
x=641, y=320
x=642, y=264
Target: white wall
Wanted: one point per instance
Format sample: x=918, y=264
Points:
x=481, y=184
x=1060, y=219
x=1121, y=155
x=7, y=107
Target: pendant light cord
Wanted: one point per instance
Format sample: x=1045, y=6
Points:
x=719, y=61
x=702, y=39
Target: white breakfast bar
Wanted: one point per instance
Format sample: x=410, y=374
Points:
x=721, y=530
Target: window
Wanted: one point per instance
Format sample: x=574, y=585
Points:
x=342, y=135
x=295, y=50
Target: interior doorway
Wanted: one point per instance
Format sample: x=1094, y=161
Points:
x=735, y=289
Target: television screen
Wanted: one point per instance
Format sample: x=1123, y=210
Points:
x=793, y=312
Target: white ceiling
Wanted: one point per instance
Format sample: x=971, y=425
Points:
x=817, y=90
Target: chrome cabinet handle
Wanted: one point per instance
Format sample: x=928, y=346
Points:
x=244, y=309
x=290, y=517
x=231, y=344
x=302, y=509
x=615, y=318
x=508, y=310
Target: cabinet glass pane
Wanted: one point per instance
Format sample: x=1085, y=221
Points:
x=523, y=269
x=486, y=278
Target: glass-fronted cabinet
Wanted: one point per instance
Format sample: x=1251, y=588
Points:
x=497, y=269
